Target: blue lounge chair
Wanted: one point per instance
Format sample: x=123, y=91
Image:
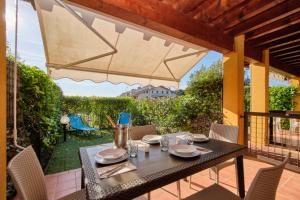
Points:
x=124, y=118
x=77, y=124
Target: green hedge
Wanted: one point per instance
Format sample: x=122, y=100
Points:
x=39, y=104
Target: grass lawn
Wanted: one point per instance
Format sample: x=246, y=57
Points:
x=65, y=155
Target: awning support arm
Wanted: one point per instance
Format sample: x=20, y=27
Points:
x=72, y=12
x=179, y=57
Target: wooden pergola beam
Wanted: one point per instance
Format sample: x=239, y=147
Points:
x=159, y=17
x=280, y=11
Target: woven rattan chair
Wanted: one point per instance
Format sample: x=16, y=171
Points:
x=29, y=180
x=263, y=186
x=225, y=133
x=138, y=132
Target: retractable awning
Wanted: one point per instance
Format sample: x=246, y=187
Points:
x=81, y=44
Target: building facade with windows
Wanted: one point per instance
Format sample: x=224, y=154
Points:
x=150, y=92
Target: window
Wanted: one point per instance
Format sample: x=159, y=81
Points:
x=167, y=92
x=152, y=92
x=162, y=91
x=156, y=91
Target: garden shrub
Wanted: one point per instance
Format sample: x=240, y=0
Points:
x=39, y=104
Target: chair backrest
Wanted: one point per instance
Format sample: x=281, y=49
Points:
x=124, y=118
x=28, y=176
x=138, y=132
x=76, y=121
x=265, y=183
x=227, y=133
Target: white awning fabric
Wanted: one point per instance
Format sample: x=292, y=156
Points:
x=81, y=44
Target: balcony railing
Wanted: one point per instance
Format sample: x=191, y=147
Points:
x=272, y=135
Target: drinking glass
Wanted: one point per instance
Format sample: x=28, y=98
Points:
x=133, y=149
x=164, y=143
x=189, y=138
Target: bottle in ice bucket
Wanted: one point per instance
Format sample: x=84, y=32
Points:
x=120, y=136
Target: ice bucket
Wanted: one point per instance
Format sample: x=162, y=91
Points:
x=120, y=136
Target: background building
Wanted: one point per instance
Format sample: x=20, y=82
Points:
x=150, y=92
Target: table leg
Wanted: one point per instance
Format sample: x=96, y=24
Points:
x=240, y=176
x=82, y=179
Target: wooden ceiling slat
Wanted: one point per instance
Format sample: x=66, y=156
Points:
x=220, y=17
x=275, y=35
x=295, y=63
x=283, y=66
x=290, y=57
x=279, y=42
x=216, y=8
x=285, y=47
x=292, y=60
x=253, y=8
x=281, y=10
x=184, y=6
x=291, y=20
x=287, y=51
x=192, y=5
x=287, y=54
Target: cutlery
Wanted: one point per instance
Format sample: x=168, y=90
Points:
x=110, y=172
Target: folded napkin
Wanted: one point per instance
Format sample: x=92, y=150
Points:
x=126, y=168
x=203, y=150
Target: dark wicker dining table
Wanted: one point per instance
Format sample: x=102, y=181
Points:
x=154, y=170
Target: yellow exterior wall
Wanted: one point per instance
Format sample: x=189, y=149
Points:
x=260, y=98
x=2, y=102
x=233, y=87
x=296, y=83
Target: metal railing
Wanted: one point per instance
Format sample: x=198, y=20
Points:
x=272, y=135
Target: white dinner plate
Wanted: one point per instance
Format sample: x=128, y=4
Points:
x=106, y=162
x=151, y=139
x=111, y=153
x=200, y=138
x=194, y=154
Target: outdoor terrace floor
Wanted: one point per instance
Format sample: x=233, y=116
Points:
x=63, y=183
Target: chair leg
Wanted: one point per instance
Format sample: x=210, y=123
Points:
x=210, y=177
x=178, y=190
x=217, y=176
x=190, y=182
x=148, y=195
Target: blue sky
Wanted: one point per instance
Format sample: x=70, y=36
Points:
x=31, y=51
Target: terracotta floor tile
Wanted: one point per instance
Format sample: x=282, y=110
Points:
x=66, y=177
x=65, y=185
